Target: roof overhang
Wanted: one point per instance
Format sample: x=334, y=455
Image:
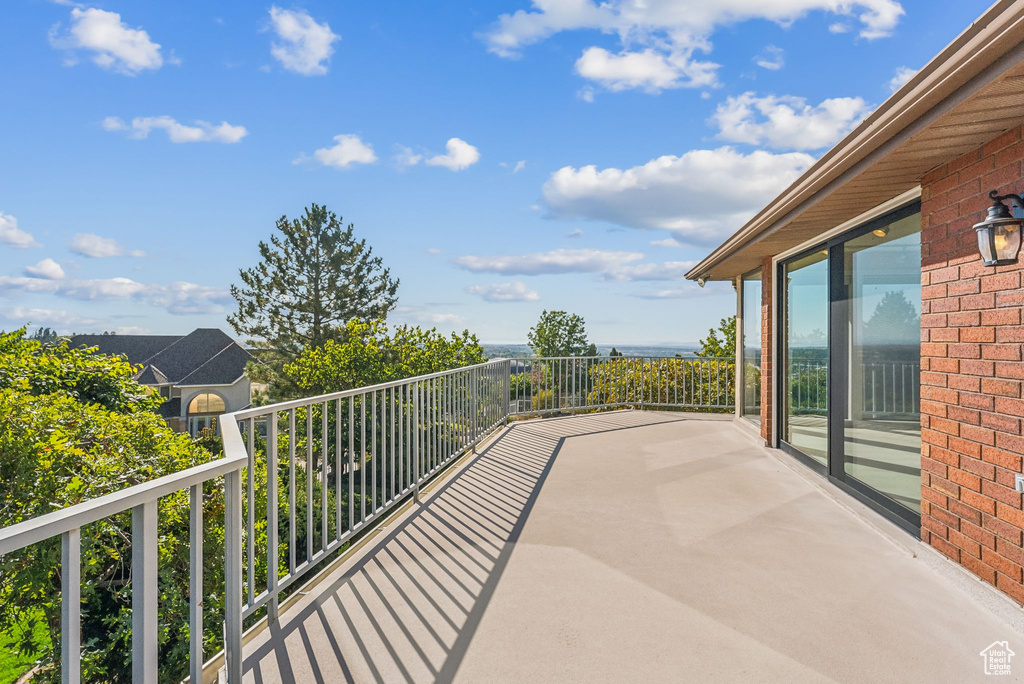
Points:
x=968, y=94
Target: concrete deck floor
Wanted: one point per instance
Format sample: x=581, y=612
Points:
x=630, y=546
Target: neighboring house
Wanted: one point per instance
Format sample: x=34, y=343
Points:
x=879, y=348
x=200, y=375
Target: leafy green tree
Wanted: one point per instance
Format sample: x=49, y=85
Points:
x=368, y=352
x=75, y=425
x=614, y=352
x=313, y=276
x=558, y=333
x=722, y=348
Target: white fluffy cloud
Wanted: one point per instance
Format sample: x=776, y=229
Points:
x=11, y=235
x=200, y=131
x=554, y=261
x=786, y=122
x=113, y=44
x=902, y=75
x=47, y=268
x=460, y=155
x=62, y=319
x=701, y=196
x=658, y=37
x=515, y=291
x=177, y=298
x=405, y=157
x=771, y=58
x=348, y=150
x=668, y=270
x=97, y=247
x=303, y=45
x=612, y=265
x=648, y=70
x=685, y=291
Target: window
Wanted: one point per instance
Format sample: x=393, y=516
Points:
x=805, y=350
x=208, y=402
x=752, y=346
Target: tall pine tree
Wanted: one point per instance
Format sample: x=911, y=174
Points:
x=313, y=276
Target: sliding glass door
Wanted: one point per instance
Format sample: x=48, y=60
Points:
x=805, y=351
x=850, y=330
x=882, y=316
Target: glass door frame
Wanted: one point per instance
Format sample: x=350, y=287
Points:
x=837, y=375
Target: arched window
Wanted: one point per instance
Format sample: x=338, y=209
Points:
x=208, y=402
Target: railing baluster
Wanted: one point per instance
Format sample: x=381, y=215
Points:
x=291, y=492
x=323, y=477
x=272, y=513
x=195, y=583
x=373, y=460
x=351, y=463
x=362, y=458
x=71, y=606
x=338, y=450
x=250, y=536
x=309, y=483
x=233, y=575
x=144, y=592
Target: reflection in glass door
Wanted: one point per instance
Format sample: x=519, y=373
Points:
x=805, y=346
x=882, y=318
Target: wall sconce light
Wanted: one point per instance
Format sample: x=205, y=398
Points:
x=999, y=233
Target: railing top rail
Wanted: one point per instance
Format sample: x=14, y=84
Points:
x=48, y=525
x=345, y=394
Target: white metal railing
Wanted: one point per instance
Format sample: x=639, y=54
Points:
x=343, y=461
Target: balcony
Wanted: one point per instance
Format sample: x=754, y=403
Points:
x=432, y=529
x=628, y=546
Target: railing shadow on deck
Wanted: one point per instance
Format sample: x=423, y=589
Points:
x=408, y=608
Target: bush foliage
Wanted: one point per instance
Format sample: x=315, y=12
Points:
x=74, y=425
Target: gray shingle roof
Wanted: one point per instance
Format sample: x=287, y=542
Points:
x=136, y=348
x=206, y=356
x=223, y=369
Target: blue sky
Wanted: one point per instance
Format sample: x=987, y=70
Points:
x=501, y=157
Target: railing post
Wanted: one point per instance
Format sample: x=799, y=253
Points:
x=233, y=575
x=71, y=607
x=144, y=592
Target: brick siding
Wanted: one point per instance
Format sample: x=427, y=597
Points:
x=972, y=367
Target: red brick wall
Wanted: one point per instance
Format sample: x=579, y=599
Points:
x=971, y=371
x=767, y=399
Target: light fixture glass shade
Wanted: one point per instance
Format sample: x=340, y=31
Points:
x=999, y=241
x=999, y=233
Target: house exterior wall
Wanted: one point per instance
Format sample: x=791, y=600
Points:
x=767, y=350
x=236, y=396
x=972, y=370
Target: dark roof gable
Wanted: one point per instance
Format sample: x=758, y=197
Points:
x=223, y=369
